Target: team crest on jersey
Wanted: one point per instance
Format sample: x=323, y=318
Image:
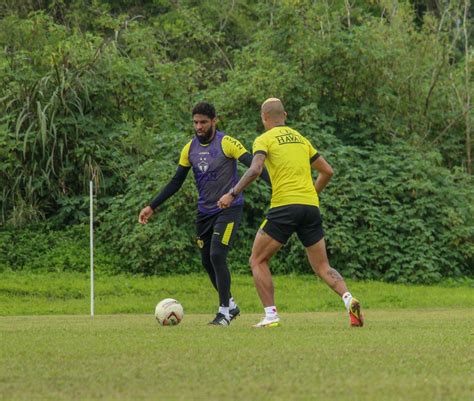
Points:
x=203, y=165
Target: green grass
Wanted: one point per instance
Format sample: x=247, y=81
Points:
x=399, y=355
x=416, y=345
x=68, y=293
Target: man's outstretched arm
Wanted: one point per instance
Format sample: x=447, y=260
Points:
x=169, y=190
x=250, y=176
x=246, y=159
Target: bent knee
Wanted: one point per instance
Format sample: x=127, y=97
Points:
x=321, y=268
x=218, y=258
x=255, y=262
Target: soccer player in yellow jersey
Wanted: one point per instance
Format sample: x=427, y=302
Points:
x=289, y=158
x=212, y=155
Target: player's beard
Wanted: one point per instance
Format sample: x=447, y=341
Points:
x=207, y=137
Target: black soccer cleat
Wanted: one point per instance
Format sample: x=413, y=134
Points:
x=233, y=313
x=220, y=320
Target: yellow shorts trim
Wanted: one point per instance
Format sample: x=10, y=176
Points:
x=263, y=224
x=227, y=233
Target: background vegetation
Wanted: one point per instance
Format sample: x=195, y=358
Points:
x=104, y=89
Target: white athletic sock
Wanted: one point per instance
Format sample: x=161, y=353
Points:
x=271, y=311
x=225, y=311
x=346, y=297
x=232, y=303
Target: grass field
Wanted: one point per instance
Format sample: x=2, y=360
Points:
x=417, y=343
x=68, y=293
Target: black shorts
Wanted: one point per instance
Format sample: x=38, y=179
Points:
x=220, y=227
x=283, y=221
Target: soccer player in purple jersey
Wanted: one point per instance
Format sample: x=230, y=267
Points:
x=212, y=155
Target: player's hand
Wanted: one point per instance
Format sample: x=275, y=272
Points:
x=225, y=201
x=145, y=214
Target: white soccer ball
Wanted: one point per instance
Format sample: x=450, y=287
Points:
x=169, y=312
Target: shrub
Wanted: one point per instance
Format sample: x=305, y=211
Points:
x=42, y=248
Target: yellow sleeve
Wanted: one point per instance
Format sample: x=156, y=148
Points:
x=184, y=159
x=260, y=145
x=311, y=150
x=232, y=147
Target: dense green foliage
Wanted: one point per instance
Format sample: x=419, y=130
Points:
x=42, y=249
x=382, y=89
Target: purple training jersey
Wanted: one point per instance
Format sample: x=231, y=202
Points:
x=214, y=172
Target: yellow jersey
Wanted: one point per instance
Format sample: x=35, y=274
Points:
x=288, y=160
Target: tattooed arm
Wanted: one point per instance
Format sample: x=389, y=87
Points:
x=250, y=176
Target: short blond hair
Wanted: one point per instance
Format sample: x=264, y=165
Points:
x=273, y=107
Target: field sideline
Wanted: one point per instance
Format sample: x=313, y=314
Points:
x=417, y=343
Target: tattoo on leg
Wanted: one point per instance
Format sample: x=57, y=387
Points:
x=335, y=274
